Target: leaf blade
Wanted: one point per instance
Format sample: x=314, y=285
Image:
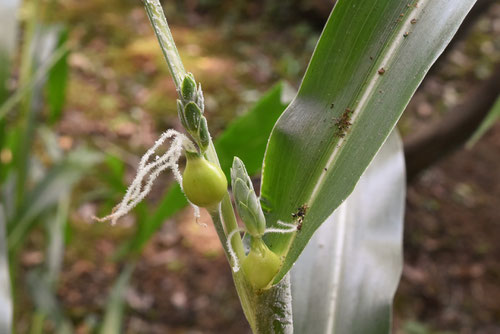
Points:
x=364, y=235
x=491, y=118
x=326, y=150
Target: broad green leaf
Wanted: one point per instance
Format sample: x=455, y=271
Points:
x=346, y=277
x=486, y=124
x=113, y=318
x=245, y=137
x=5, y=293
x=370, y=58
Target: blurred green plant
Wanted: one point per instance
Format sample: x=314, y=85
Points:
x=35, y=192
x=416, y=327
x=490, y=120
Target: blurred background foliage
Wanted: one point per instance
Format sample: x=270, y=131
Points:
x=87, y=92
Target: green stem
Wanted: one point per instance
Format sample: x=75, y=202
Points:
x=167, y=44
x=267, y=311
x=227, y=210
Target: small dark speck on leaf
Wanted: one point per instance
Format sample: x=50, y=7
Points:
x=381, y=71
x=413, y=21
x=343, y=123
x=406, y=34
x=371, y=58
x=300, y=215
x=332, y=105
x=325, y=169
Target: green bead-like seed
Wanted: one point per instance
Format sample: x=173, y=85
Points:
x=261, y=265
x=203, y=182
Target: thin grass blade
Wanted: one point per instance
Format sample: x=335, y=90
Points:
x=490, y=120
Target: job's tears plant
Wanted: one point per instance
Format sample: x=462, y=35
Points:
x=204, y=185
x=318, y=150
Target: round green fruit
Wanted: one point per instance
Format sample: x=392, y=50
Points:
x=261, y=265
x=203, y=182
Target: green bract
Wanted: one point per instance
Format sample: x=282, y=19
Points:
x=188, y=87
x=247, y=203
x=203, y=182
x=190, y=108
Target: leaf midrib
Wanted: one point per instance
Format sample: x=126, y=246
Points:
x=395, y=42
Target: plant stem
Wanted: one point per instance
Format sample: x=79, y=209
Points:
x=274, y=309
x=167, y=44
x=226, y=209
x=267, y=311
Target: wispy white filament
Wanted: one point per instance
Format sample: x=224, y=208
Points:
x=232, y=254
x=290, y=228
x=147, y=172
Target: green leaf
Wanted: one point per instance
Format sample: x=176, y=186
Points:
x=486, y=124
x=115, y=307
x=371, y=57
x=346, y=277
x=38, y=52
x=5, y=293
x=8, y=17
x=23, y=91
x=246, y=137
x=57, y=80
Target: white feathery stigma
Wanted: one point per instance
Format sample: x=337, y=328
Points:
x=147, y=172
x=232, y=254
